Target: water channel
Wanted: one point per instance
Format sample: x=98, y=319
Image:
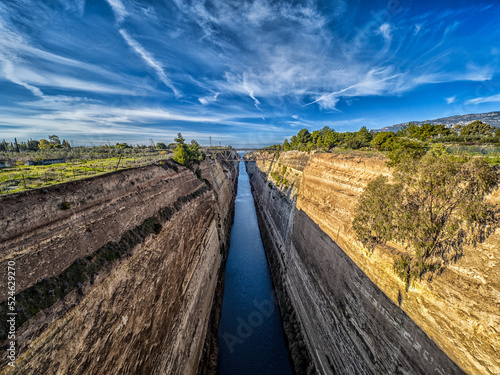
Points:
x=251, y=338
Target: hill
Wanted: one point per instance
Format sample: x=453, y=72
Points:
x=492, y=118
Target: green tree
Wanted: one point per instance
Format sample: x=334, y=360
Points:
x=497, y=133
x=180, y=139
x=122, y=146
x=286, y=145
x=364, y=136
x=181, y=154
x=184, y=154
x=434, y=207
x=161, y=146
x=315, y=135
x=477, y=128
x=194, y=151
x=384, y=141
x=56, y=142
x=43, y=144
x=303, y=136
x=406, y=149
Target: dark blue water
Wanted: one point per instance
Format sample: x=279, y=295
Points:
x=251, y=338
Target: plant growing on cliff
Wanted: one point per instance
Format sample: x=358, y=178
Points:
x=434, y=207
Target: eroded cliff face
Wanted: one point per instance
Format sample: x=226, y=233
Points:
x=354, y=311
x=122, y=282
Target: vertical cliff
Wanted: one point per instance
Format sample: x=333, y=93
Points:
x=121, y=279
x=354, y=312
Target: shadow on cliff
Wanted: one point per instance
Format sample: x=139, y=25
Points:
x=346, y=322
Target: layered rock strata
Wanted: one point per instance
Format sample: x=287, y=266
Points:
x=121, y=278
x=353, y=310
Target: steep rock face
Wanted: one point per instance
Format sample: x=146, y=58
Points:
x=355, y=294
x=150, y=243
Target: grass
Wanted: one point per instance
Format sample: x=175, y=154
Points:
x=491, y=154
x=24, y=177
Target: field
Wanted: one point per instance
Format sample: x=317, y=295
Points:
x=24, y=177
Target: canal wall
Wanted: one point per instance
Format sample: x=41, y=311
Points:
x=118, y=274
x=353, y=311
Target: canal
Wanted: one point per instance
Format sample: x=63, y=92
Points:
x=251, y=338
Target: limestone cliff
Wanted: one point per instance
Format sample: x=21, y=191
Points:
x=367, y=322
x=123, y=281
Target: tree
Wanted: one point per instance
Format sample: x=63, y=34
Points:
x=497, y=133
x=180, y=139
x=43, y=144
x=194, y=151
x=303, y=136
x=286, y=145
x=161, y=146
x=122, y=146
x=434, y=207
x=32, y=145
x=405, y=149
x=54, y=139
x=181, y=154
x=315, y=135
x=384, y=141
x=477, y=128
x=364, y=136
x=184, y=154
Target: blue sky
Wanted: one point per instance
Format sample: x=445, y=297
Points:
x=246, y=73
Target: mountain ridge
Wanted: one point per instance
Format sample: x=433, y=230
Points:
x=492, y=118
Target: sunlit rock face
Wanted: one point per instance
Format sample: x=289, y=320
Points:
x=353, y=310
x=124, y=281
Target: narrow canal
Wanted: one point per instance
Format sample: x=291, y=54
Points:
x=251, y=338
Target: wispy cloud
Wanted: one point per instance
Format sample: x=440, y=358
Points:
x=123, y=58
x=484, y=99
x=208, y=99
x=119, y=10
x=149, y=59
x=385, y=31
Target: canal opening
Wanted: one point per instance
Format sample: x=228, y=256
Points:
x=251, y=338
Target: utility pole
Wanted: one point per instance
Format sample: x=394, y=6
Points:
x=210, y=140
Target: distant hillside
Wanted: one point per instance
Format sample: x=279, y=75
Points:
x=492, y=118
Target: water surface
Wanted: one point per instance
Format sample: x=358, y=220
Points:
x=251, y=338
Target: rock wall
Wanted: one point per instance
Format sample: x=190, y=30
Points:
x=122, y=282
x=354, y=312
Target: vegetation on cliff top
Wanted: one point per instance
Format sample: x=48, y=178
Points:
x=474, y=138
x=434, y=206
x=187, y=154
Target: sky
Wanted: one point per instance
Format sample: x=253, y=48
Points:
x=245, y=73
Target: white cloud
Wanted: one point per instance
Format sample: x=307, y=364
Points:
x=385, y=31
x=149, y=59
x=46, y=79
x=118, y=9
x=9, y=74
x=208, y=99
x=451, y=99
x=484, y=99
x=250, y=92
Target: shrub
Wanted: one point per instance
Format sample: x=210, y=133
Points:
x=65, y=205
x=434, y=207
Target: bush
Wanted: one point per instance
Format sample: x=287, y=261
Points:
x=434, y=207
x=65, y=205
